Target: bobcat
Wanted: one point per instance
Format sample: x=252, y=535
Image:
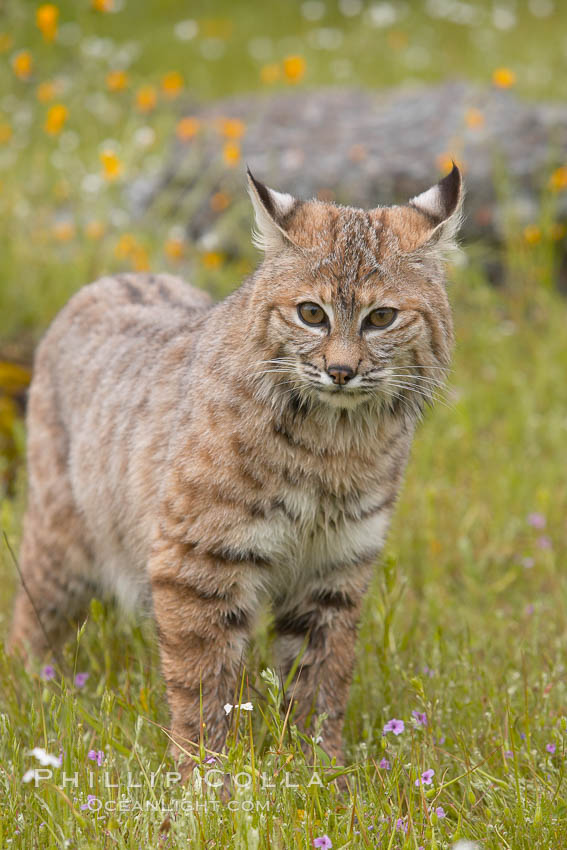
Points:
x=206, y=459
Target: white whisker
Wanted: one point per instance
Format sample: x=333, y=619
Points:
x=429, y=395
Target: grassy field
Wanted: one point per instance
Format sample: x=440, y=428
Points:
x=464, y=636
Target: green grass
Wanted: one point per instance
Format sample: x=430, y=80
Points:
x=466, y=618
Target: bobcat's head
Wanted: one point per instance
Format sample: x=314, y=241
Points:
x=350, y=304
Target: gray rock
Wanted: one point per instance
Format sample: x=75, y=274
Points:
x=368, y=148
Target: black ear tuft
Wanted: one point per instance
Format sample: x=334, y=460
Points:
x=263, y=192
x=272, y=210
x=442, y=200
x=450, y=188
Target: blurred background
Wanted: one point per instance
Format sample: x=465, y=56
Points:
x=125, y=129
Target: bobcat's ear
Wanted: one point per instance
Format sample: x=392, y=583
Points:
x=271, y=210
x=442, y=205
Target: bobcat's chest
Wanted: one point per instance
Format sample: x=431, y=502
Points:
x=313, y=533
x=330, y=501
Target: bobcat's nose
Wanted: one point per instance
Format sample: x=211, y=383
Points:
x=341, y=375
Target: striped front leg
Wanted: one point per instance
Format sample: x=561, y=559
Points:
x=324, y=620
x=204, y=603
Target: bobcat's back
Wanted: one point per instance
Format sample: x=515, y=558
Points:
x=106, y=386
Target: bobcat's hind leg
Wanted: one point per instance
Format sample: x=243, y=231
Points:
x=55, y=560
x=55, y=592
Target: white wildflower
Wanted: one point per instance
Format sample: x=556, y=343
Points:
x=44, y=758
x=244, y=706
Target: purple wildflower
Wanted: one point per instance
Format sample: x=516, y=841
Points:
x=536, y=520
x=440, y=812
x=324, y=841
x=528, y=562
x=210, y=760
x=550, y=748
x=508, y=754
x=402, y=825
x=426, y=777
x=530, y=609
x=385, y=764
x=395, y=726
x=90, y=799
x=80, y=679
x=48, y=672
x=544, y=542
x=96, y=755
x=420, y=717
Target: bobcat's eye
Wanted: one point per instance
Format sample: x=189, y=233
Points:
x=311, y=313
x=381, y=317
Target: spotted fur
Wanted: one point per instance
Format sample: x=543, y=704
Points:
x=198, y=458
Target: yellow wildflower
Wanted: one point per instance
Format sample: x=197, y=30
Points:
x=46, y=18
x=146, y=98
x=231, y=153
x=211, y=260
x=219, y=201
x=140, y=259
x=294, y=68
x=216, y=27
x=125, y=246
x=444, y=162
x=95, y=229
x=532, y=234
x=398, y=39
x=270, y=73
x=174, y=248
x=46, y=91
x=172, y=84
x=435, y=546
x=111, y=165
x=503, y=78
x=116, y=80
x=62, y=190
x=129, y=248
x=558, y=179
x=13, y=378
x=22, y=64
x=103, y=5
x=187, y=128
x=64, y=230
x=6, y=41
x=5, y=133
x=56, y=118
x=232, y=128
x=474, y=119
